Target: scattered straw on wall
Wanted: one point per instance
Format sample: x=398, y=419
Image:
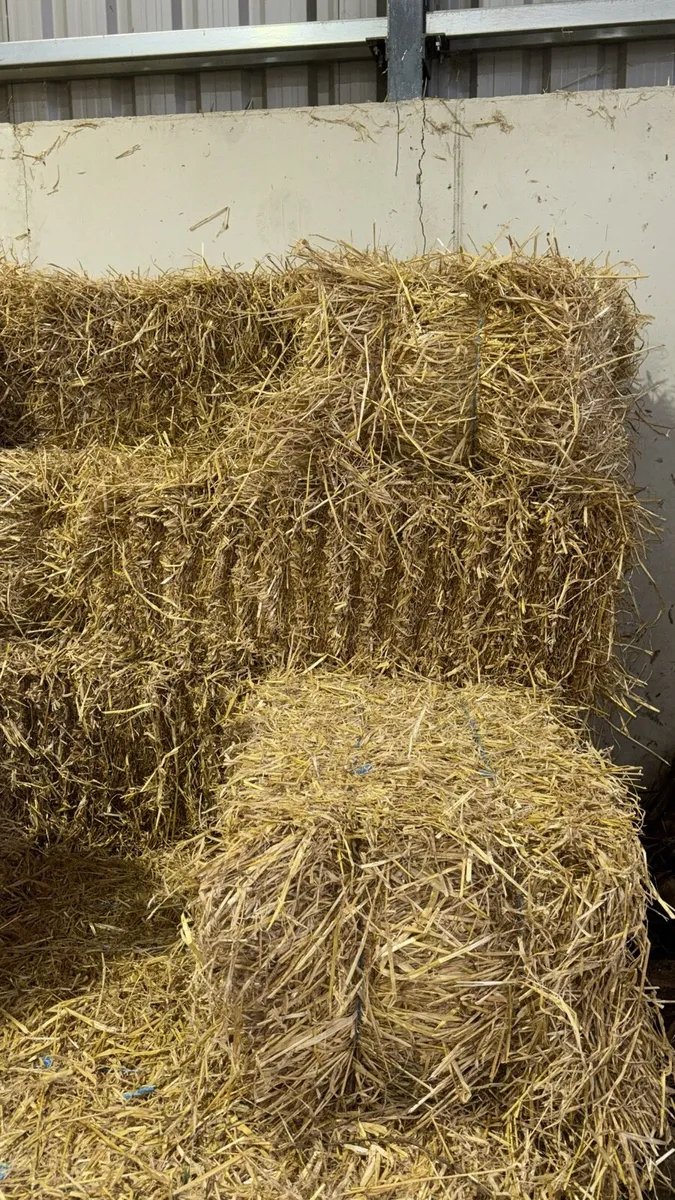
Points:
x=430, y=907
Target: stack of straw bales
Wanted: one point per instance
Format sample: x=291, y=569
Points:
x=420, y=934
x=422, y=463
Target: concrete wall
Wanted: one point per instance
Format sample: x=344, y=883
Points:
x=594, y=170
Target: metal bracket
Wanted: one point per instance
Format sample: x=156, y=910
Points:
x=378, y=49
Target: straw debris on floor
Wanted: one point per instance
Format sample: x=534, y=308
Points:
x=431, y=907
x=462, y=854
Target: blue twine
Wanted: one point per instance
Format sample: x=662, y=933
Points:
x=146, y=1090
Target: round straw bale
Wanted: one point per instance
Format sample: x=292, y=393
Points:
x=430, y=898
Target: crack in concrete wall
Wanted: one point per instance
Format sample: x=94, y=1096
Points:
x=420, y=174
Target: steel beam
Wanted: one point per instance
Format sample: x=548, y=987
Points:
x=189, y=49
x=405, y=49
x=564, y=21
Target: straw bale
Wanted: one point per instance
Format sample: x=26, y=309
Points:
x=116, y=542
x=473, y=578
x=431, y=900
x=126, y=358
x=522, y=362
x=97, y=748
x=468, y=578
x=103, y=1007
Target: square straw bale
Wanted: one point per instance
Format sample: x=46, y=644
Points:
x=433, y=900
x=473, y=578
x=126, y=358
x=522, y=362
x=102, y=749
x=259, y=566
x=134, y=544
x=115, y=1081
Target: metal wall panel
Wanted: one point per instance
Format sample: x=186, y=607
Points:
x=231, y=91
x=353, y=83
x=447, y=5
x=650, y=64
x=156, y=95
x=222, y=91
x=142, y=16
x=452, y=77
x=498, y=73
x=346, y=10
x=25, y=19
x=91, y=98
x=84, y=17
x=560, y=68
x=583, y=68
x=210, y=14
x=39, y=102
x=271, y=12
x=287, y=87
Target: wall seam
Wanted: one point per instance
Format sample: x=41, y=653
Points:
x=458, y=178
x=20, y=155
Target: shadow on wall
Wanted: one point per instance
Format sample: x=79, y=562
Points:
x=63, y=913
x=649, y=627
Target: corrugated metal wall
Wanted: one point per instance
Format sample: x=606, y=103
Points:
x=561, y=68
x=205, y=91
x=499, y=73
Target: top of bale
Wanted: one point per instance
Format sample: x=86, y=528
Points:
x=438, y=360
